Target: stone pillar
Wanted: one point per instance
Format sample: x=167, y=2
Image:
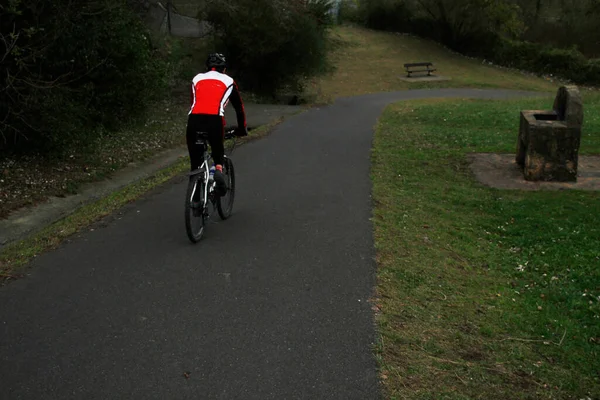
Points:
x=548, y=145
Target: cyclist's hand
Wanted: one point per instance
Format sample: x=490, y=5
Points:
x=241, y=131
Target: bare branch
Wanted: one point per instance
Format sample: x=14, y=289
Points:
x=8, y=45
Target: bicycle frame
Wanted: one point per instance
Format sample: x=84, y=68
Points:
x=204, y=168
x=205, y=171
x=199, y=209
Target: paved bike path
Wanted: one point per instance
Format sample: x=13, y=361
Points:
x=29, y=220
x=272, y=304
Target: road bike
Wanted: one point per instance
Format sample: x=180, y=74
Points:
x=201, y=199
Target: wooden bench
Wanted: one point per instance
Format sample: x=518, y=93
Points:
x=425, y=67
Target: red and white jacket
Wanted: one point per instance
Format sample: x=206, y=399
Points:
x=211, y=91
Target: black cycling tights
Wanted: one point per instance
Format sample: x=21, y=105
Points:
x=213, y=125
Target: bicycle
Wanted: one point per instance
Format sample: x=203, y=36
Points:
x=201, y=194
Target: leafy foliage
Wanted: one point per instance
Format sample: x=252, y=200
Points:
x=69, y=68
x=563, y=24
x=350, y=11
x=271, y=44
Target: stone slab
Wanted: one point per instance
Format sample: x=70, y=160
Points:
x=425, y=78
x=501, y=171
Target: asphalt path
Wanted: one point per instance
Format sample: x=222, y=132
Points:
x=272, y=304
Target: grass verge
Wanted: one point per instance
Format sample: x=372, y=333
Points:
x=482, y=293
x=371, y=61
x=27, y=181
x=16, y=255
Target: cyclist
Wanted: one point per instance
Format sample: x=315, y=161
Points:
x=211, y=92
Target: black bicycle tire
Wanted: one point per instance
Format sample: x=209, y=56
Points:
x=194, y=237
x=225, y=212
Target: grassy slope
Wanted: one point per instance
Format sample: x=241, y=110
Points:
x=370, y=61
x=483, y=293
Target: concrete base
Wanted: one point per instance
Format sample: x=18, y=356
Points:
x=425, y=78
x=502, y=172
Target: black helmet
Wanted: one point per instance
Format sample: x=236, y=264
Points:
x=216, y=60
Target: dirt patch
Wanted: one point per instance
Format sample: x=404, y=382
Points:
x=502, y=172
x=472, y=355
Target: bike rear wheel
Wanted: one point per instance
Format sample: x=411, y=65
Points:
x=195, y=208
x=225, y=203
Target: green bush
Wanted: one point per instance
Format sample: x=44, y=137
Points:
x=271, y=44
x=71, y=68
x=542, y=59
x=568, y=63
x=349, y=11
x=592, y=71
x=514, y=54
x=389, y=15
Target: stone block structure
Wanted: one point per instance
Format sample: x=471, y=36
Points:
x=549, y=140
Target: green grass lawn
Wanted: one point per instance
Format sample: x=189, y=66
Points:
x=482, y=293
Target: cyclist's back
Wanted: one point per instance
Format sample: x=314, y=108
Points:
x=211, y=91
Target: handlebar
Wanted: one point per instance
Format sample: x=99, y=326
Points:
x=229, y=132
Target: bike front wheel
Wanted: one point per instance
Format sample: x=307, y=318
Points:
x=195, y=208
x=225, y=203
